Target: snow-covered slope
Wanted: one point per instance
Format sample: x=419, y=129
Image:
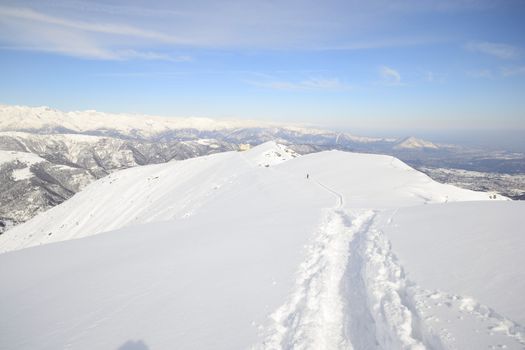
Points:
x=63, y=164
x=481, y=241
x=177, y=189
x=415, y=143
x=269, y=153
x=24, y=160
x=221, y=252
x=461, y=271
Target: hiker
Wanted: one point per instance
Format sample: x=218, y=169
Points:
x=307, y=176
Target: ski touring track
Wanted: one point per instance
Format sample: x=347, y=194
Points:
x=352, y=293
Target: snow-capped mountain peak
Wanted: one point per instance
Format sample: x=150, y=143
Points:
x=415, y=143
x=46, y=120
x=21, y=118
x=269, y=153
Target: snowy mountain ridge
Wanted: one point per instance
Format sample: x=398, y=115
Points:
x=46, y=120
x=152, y=193
x=90, y=145
x=224, y=252
x=174, y=190
x=95, y=144
x=65, y=163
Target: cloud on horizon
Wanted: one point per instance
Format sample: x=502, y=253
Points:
x=310, y=84
x=499, y=50
x=513, y=71
x=480, y=73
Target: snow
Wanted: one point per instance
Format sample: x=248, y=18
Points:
x=166, y=264
x=22, y=174
x=24, y=157
x=74, y=143
x=376, y=181
x=177, y=190
x=451, y=251
x=27, y=159
x=223, y=252
x=34, y=118
x=269, y=153
x=71, y=138
x=415, y=143
x=22, y=118
x=455, y=271
x=174, y=190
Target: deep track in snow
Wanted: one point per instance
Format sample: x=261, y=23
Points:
x=317, y=316
x=352, y=293
x=332, y=306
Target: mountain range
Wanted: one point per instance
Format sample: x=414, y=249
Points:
x=73, y=149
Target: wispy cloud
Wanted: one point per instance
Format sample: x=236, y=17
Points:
x=136, y=30
x=499, y=50
x=513, y=71
x=148, y=55
x=154, y=74
x=310, y=84
x=390, y=76
x=382, y=43
x=96, y=27
x=433, y=77
x=502, y=72
x=105, y=31
x=79, y=49
x=27, y=29
x=480, y=73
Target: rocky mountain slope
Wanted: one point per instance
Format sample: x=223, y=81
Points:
x=30, y=184
x=57, y=166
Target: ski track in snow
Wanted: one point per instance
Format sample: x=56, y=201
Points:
x=352, y=293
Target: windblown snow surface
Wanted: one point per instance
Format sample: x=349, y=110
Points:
x=224, y=252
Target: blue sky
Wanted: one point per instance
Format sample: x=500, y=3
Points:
x=377, y=64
